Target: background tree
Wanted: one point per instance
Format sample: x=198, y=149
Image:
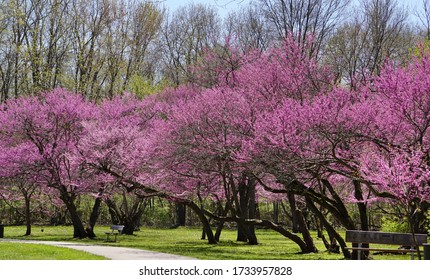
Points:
x=304, y=19
x=248, y=29
x=360, y=47
x=424, y=18
x=185, y=35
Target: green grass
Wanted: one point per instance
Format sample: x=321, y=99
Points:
x=23, y=251
x=186, y=242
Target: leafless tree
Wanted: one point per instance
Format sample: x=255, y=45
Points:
x=185, y=35
x=304, y=18
x=361, y=46
x=249, y=29
x=424, y=18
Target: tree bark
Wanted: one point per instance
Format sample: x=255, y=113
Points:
x=93, y=218
x=305, y=232
x=265, y=223
x=68, y=199
x=27, y=216
x=252, y=209
x=292, y=201
x=203, y=220
x=247, y=209
x=218, y=230
x=113, y=211
x=276, y=212
x=330, y=229
x=364, y=221
x=180, y=215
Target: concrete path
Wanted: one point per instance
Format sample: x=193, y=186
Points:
x=110, y=252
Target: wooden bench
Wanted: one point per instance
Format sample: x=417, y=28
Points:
x=116, y=229
x=389, y=238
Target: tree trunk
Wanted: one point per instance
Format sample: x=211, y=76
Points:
x=294, y=237
x=203, y=220
x=241, y=232
x=27, y=216
x=246, y=233
x=412, y=221
x=305, y=232
x=78, y=228
x=218, y=231
x=252, y=209
x=276, y=212
x=330, y=229
x=292, y=201
x=180, y=215
x=362, y=207
x=113, y=211
x=128, y=228
x=203, y=234
x=93, y=218
x=247, y=209
x=364, y=221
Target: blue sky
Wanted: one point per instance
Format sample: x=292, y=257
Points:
x=224, y=6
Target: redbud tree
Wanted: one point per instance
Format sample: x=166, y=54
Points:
x=38, y=135
x=397, y=161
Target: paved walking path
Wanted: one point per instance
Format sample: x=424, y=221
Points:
x=110, y=252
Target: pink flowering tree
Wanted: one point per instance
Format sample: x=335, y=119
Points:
x=113, y=154
x=195, y=148
x=280, y=73
x=218, y=66
x=196, y=151
x=38, y=134
x=116, y=148
x=302, y=145
x=371, y=143
x=396, y=164
x=268, y=80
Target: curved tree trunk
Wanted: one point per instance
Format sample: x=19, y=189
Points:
x=93, y=218
x=305, y=232
x=265, y=223
x=218, y=230
x=330, y=229
x=203, y=220
x=292, y=236
x=68, y=199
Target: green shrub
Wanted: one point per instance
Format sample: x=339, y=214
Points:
x=394, y=224
x=159, y=217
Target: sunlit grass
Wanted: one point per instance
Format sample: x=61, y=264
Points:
x=187, y=242
x=25, y=251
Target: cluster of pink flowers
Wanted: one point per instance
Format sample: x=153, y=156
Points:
x=281, y=119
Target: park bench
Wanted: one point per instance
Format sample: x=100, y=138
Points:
x=116, y=229
x=405, y=240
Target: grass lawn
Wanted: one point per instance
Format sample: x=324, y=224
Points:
x=21, y=251
x=186, y=242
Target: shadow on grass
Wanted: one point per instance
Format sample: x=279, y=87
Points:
x=187, y=242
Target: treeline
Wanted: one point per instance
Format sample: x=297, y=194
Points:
x=104, y=47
